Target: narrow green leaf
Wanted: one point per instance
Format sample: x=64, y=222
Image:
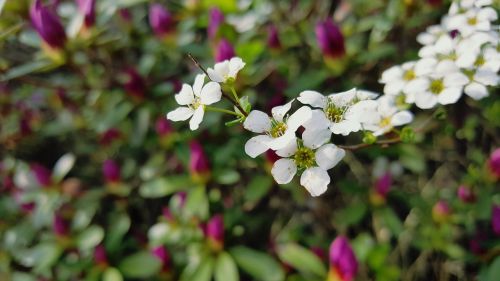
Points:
x=63, y=166
x=112, y=274
x=301, y=259
x=90, y=237
x=225, y=268
x=140, y=265
x=259, y=265
x=26, y=68
x=161, y=187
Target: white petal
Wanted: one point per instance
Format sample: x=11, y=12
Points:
x=366, y=95
x=288, y=150
x=328, y=156
x=315, y=180
x=314, y=139
x=425, y=100
x=256, y=145
x=235, y=65
x=180, y=114
x=195, y=121
x=211, y=93
x=486, y=77
x=391, y=74
x=215, y=76
x=455, y=79
x=401, y=118
x=395, y=87
x=487, y=14
x=425, y=66
x=299, y=117
x=257, y=122
x=283, y=170
x=476, y=91
x=280, y=111
x=198, y=84
x=345, y=127
x=445, y=67
x=313, y=99
x=343, y=98
x=417, y=86
x=450, y=95
x=283, y=141
x=185, y=96
x=318, y=121
x=362, y=111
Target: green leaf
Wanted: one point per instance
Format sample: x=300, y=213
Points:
x=494, y=270
x=120, y=224
x=301, y=259
x=199, y=272
x=41, y=257
x=90, y=238
x=112, y=274
x=161, y=187
x=259, y=265
x=63, y=166
x=257, y=188
x=225, y=268
x=351, y=215
x=140, y=265
x=391, y=220
x=197, y=203
x=27, y=68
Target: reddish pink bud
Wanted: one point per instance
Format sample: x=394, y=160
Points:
x=441, y=211
x=100, y=256
x=215, y=19
x=163, y=127
x=135, y=86
x=435, y=3
x=494, y=163
x=224, y=51
x=161, y=20
x=111, y=171
x=167, y=214
x=87, y=9
x=466, y=194
x=109, y=136
x=162, y=254
x=330, y=39
x=383, y=184
x=42, y=174
x=343, y=263
x=320, y=253
x=214, y=231
x=198, y=161
x=48, y=25
x=495, y=219
x=60, y=225
x=271, y=156
x=273, y=39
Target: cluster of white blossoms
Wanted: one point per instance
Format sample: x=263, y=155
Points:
x=461, y=55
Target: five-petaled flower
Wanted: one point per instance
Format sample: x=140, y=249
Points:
x=226, y=71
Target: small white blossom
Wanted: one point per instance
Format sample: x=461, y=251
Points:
x=472, y=20
x=397, y=78
x=431, y=34
x=226, y=71
x=478, y=80
x=276, y=131
x=194, y=100
x=385, y=116
x=314, y=164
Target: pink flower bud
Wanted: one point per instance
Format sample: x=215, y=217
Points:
x=441, y=211
x=161, y=20
x=111, y=171
x=135, y=86
x=162, y=254
x=198, y=161
x=214, y=231
x=163, y=127
x=273, y=39
x=320, y=253
x=466, y=194
x=215, y=19
x=435, y=3
x=47, y=25
x=109, y=136
x=100, y=256
x=60, y=225
x=494, y=163
x=343, y=263
x=87, y=8
x=42, y=174
x=383, y=184
x=224, y=51
x=330, y=39
x=167, y=214
x=495, y=219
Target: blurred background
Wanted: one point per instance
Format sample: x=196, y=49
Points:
x=96, y=184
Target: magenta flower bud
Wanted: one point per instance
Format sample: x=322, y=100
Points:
x=87, y=8
x=198, y=161
x=494, y=163
x=160, y=20
x=495, y=219
x=111, y=171
x=167, y=214
x=435, y=3
x=215, y=19
x=162, y=254
x=60, y=225
x=214, y=231
x=343, y=263
x=125, y=15
x=109, y=136
x=163, y=127
x=135, y=86
x=180, y=197
x=224, y=51
x=466, y=194
x=47, y=25
x=42, y=174
x=330, y=39
x=383, y=184
x=320, y=253
x=441, y=211
x=100, y=256
x=273, y=39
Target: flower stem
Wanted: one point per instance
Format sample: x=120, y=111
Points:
x=235, y=95
x=216, y=109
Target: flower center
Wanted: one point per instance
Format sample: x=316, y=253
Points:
x=277, y=129
x=401, y=101
x=436, y=86
x=480, y=61
x=472, y=21
x=385, y=122
x=196, y=103
x=409, y=75
x=334, y=113
x=304, y=158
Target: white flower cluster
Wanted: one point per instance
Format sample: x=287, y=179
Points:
x=461, y=55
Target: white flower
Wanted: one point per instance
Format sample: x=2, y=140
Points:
x=277, y=131
x=340, y=114
x=386, y=116
x=226, y=71
x=467, y=4
x=473, y=20
x=478, y=80
x=443, y=86
x=431, y=35
x=314, y=165
x=397, y=78
x=194, y=100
